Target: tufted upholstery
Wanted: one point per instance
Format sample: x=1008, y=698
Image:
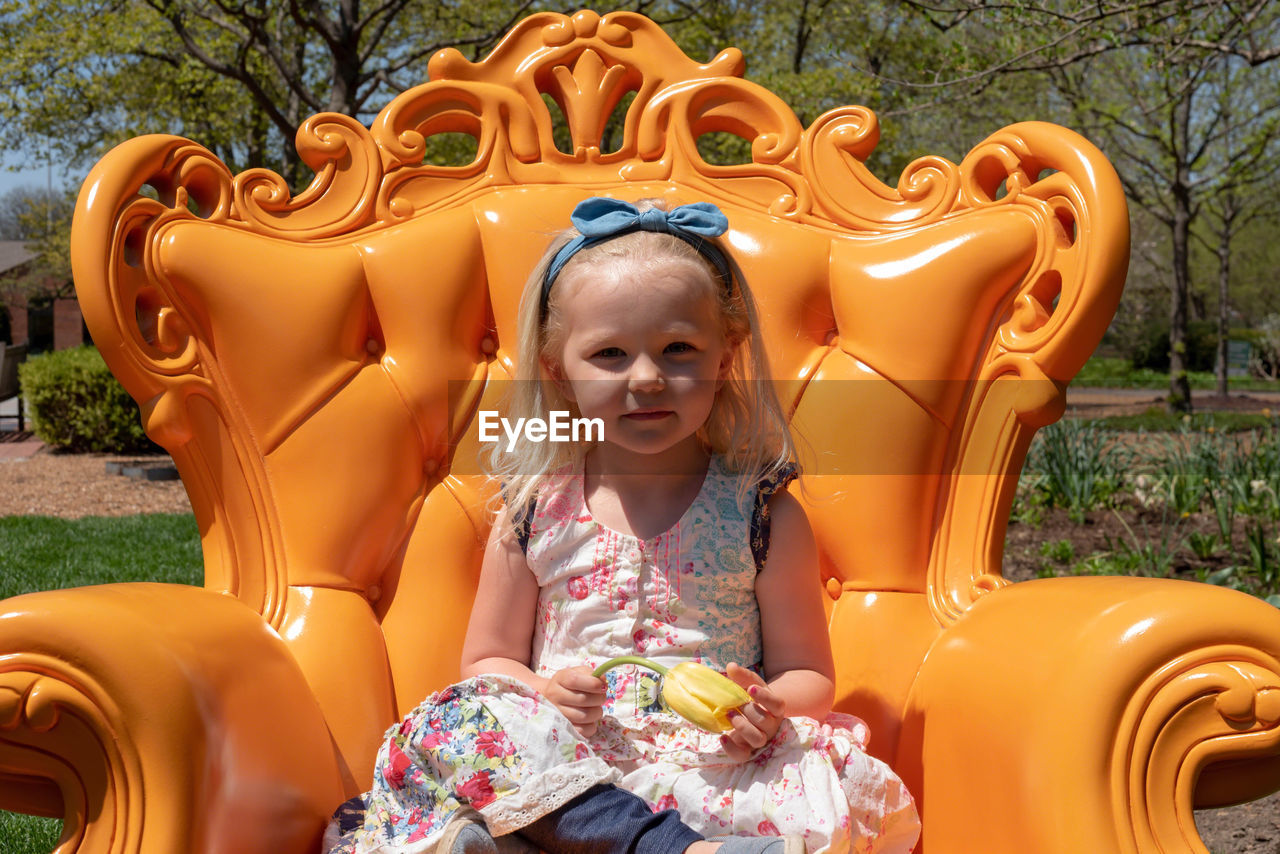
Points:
x=315, y=365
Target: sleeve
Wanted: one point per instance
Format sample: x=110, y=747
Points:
x=524, y=521
x=765, y=489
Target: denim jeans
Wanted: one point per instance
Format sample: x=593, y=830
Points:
x=609, y=820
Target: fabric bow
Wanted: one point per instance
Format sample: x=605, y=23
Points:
x=601, y=218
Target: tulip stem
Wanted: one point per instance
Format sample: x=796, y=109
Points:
x=629, y=659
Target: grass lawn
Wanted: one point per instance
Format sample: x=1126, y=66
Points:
x=26, y=834
x=42, y=553
x=1109, y=371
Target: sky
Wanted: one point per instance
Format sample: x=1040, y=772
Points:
x=27, y=175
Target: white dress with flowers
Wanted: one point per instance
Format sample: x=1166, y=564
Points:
x=687, y=594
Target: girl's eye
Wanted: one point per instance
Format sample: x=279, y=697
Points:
x=608, y=353
x=680, y=347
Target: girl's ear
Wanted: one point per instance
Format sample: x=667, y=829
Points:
x=726, y=365
x=554, y=373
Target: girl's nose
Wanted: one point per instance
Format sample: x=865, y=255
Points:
x=645, y=377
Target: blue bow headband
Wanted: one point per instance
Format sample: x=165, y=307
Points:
x=600, y=219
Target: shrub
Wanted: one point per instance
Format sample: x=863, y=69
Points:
x=1152, y=350
x=76, y=404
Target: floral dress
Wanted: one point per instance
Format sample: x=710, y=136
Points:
x=494, y=745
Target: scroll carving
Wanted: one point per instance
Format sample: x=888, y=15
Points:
x=153, y=342
x=348, y=170
x=1047, y=330
x=833, y=157
x=1219, y=703
x=77, y=732
x=587, y=65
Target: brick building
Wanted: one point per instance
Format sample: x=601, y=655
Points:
x=43, y=320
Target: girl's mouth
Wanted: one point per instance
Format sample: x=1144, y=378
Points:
x=647, y=414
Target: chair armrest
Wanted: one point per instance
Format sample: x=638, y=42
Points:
x=172, y=701
x=1094, y=714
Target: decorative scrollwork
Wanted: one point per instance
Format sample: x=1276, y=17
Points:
x=151, y=338
x=150, y=321
x=833, y=158
x=1077, y=273
x=1050, y=321
x=1219, y=703
x=35, y=697
x=587, y=64
x=348, y=170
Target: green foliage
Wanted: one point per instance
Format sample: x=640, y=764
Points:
x=1053, y=555
x=76, y=404
x=1204, y=503
x=1059, y=551
x=83, y=75
x=1076, y=465
x=28, y=834
x=1204, y=546
x=43, y=553
x=1158, y=419
x=42, y=220
x=1119, y=372
x=1152, y=351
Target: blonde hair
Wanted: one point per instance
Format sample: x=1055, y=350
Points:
x=747, y=426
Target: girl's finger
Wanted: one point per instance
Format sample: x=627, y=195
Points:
x=733, y=750
x=744, y=677
x=591, y=714
x=570, y=697
x=582, y=681
x=759, y=716
x=767, y=699
x=746, y=732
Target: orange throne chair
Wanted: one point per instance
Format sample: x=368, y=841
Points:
x=315, y=363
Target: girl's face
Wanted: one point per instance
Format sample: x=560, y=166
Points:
x=644, y=350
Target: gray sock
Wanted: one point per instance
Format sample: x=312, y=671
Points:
x=473, y=839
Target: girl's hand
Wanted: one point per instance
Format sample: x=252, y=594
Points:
x=579, y=696
x=756, y=723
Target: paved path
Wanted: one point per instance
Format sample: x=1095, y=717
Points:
x=1122, y=396
x=24, y=446
x=19, y=450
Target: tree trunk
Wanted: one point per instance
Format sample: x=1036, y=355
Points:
x=1224, y=277
x=344, y=49
x=1179, y=385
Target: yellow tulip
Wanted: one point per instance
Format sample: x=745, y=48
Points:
x=693, y=691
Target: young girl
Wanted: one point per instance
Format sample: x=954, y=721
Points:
x=670, y=538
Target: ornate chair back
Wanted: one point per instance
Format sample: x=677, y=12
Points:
x=315, y=362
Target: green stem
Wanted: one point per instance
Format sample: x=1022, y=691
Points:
x=629, y=659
